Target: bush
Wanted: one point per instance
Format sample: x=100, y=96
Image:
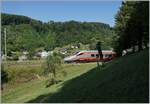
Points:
x=52, y=63
x=52, y=81
x=59, y=54
x=15, y=57
x=4, y=76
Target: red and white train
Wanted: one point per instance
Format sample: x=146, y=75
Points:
x=90, y=56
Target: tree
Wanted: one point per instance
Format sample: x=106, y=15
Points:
x=121, y=19
x=132, y=26
x=50, y=41
x=52, y=63
x=139, y=33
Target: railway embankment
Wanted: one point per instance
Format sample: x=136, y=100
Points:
x=125, y=79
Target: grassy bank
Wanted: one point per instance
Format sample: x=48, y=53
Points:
x=125, y=79
x=27, y=91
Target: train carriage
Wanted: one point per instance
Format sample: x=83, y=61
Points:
x=90, y=56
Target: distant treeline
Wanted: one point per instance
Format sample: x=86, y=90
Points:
x=24, y=33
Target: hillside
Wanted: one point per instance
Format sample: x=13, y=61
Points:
x=24, y=33
x=125, y=79
x=11, y=19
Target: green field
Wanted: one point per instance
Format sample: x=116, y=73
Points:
x=125, y=79
x=24, y=92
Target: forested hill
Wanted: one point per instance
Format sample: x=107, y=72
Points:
x=11, y=19
x=25, y=33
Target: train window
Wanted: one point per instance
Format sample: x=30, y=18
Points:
x=108, y=55
x=97, y=55
x=92, y=55
x=75, y=53
x=80, y=54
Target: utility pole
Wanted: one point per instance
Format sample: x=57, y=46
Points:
x=5, y=64
x=5, y=44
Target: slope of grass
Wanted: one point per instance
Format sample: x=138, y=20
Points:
x=24, y=92
x=125, y=79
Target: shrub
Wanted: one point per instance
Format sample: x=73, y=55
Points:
x=52, y=63
x=4, y=76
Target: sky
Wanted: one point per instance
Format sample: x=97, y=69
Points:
x=89, y=11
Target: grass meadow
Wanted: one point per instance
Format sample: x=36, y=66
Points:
x=125, y=79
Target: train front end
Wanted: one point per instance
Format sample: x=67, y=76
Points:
x=70, y=59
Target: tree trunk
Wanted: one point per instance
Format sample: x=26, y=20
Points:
x=133, y=49
x=98, y=61
x=145, y=43
x=140, y=44
x=54, y=73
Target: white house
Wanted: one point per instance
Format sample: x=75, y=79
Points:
x=44, y=54
x=23, y=57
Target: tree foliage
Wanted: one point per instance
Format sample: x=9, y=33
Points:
x=24, y=33
x=52, y=63
x=132, y=25
x=8, y=19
